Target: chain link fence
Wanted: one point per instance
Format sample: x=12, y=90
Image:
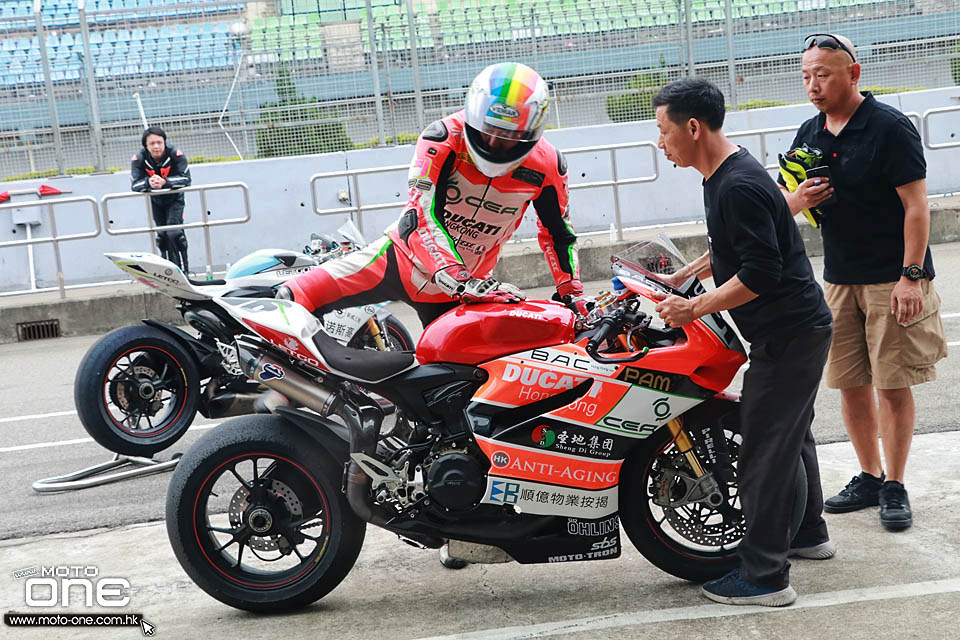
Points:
x=289, y=77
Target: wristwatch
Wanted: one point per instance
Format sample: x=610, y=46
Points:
x=913, y=272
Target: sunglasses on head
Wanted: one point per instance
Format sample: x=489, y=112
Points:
x=827, y=41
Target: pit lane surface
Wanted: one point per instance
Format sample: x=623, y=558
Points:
x=40, y=437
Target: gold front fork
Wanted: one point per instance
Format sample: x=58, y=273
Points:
x=375, y=332
x=685, y=446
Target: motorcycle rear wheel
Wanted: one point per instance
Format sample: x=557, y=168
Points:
x=256, y=517
x=696, y=542
x=136, y=390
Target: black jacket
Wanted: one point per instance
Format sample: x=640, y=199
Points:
x=172, y=166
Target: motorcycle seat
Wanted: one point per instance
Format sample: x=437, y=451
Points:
x=370, y=366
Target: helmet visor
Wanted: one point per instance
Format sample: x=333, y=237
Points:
x=499, y=146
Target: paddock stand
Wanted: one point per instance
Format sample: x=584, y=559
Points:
x=96, y=475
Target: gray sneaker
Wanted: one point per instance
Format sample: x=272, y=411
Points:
x=820, y=551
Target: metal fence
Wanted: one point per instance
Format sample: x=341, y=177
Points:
x=261, y=79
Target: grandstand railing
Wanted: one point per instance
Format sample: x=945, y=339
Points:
x=184, y=55
x=54, y=238
x=204, y=224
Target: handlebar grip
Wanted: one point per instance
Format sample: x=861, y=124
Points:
x=603, y=332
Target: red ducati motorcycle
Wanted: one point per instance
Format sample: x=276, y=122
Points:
x=522, y=433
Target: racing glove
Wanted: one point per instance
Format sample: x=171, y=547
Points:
x=793, y=169
x=570, y=293
x=473, y=290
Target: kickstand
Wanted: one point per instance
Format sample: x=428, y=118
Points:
x=91, y=476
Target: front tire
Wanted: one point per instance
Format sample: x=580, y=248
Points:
x=395, y=335
x=256, y=517
x=136, y=390
x=691, y=539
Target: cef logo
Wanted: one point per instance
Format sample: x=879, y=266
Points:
x=543, y=436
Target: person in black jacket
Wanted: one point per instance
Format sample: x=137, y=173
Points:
x=763, y=277
x=159, y=166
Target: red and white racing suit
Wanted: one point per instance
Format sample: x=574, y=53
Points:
x=455, y=218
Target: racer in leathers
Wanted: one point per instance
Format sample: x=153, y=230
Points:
x=471, y=178
x=160, y=166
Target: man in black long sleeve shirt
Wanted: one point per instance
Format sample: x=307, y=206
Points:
x=160, y=166
x=764, y=279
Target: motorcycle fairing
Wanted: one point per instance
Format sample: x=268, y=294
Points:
x=294, y=331
x=266, y=266
x=550, y=467
x=612, y=405
x=157, y=273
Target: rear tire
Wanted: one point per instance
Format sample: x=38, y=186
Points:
x=281, y=540
x=136, y=390
x=696, y=541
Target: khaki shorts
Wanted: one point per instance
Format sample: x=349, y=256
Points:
x=870, y=347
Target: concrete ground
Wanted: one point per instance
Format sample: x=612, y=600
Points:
x=880, y=585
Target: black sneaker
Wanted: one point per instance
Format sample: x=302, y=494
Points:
x=895, y=513
x=861, y=492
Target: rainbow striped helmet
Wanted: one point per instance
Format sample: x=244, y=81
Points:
x=505, y=115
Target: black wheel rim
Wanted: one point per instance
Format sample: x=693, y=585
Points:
x=145, y=391
x=262, y=521
x=697, y=529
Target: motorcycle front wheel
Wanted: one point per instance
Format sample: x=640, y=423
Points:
x=693, y=539
x=396, y=336
x=136, y=390
x=256, y=517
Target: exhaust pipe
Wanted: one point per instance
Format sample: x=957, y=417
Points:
x=229, y=404
x=264, y=369
x=363, y=423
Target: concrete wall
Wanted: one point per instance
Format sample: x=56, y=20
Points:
x=281, y=200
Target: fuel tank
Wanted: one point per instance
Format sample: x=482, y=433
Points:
x=475, y=333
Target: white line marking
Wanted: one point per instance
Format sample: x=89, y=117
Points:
x=62, y=443
x=812, y=601
x=949, y=315
x=37, y=416
x=953, y=344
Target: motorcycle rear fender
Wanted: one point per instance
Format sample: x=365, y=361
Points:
x=202, y=353
x=332, y=437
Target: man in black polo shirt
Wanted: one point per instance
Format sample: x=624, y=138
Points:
x=764, y=279
x=878, y=271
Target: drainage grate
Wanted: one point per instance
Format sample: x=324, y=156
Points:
x=38, y=330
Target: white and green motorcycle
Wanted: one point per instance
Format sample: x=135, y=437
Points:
x=138, y=388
